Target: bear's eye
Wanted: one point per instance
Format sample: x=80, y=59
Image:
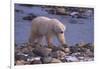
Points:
x=61, y=32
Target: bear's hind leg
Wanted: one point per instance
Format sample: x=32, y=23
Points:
x=32, y=39
x=39, y=40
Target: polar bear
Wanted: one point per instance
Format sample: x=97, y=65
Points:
x=46, y=27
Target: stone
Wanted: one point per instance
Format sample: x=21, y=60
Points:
x=20, y=62
x=36, y=62
x=54, y=60
x=42, y=51
x=46, y=60
x=29, y=17
x=66, y=50
x=71, y=59
x=58, y=54
x=61, y=11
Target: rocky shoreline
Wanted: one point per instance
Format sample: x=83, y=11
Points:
x=26, y=54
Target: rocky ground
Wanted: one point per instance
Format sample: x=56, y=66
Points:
x=26, y=54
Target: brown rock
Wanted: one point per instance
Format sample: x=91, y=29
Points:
x=58, y=54
x=54, y=60
x=20, y=62
x=66, y=50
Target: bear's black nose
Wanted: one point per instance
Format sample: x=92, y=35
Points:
x=61, y=32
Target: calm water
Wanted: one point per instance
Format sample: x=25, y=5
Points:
x=77, y=30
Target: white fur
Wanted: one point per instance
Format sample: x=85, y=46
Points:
x=44, y=26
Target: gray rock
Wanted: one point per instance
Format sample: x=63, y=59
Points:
x=46, y=59
x=42, y=51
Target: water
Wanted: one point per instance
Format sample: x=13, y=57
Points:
x=77, y=30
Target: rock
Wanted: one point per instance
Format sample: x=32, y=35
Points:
x=81, y=58
x=42, y=51
x=29, y=17
x=65, y=45
x=54, y=48
x=25, y=50
x=71, y=59
x=54, y=60
x=46, y=60
x=73, y=49
x=66, y=50
x=89, y=53
x=58, y=54
x=61, y=11
x=20, y=62
x=74, y=14
x=30, y=48
x=61, y=54
x=63, y=60
x=36, y=62
x=39, y=54
x=33, y=58
x=20, y=57
x=17, y=10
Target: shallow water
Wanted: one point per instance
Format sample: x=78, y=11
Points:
x=77, y=30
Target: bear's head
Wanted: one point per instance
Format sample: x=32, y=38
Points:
x=59, y=29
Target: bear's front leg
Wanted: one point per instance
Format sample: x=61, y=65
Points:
x=49, y=41
x=61, y=38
